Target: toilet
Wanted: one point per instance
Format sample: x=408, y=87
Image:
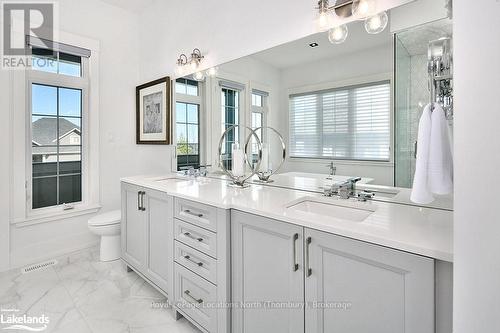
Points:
x=107, y=226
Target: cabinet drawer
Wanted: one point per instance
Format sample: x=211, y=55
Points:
x=195, y=297
x=199, y=214
x=196, y=237
x=196, y=261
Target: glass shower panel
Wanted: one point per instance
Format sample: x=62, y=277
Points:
x=404, y=150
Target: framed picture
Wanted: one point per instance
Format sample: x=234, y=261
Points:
x=153, y=112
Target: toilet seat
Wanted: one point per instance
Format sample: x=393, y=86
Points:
x=109, y=218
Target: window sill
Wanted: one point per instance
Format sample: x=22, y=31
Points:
x=55, y=216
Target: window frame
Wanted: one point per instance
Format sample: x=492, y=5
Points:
x=65, y=81
x=263, y=110
x=19, y=99
x=359, y=81
x=191, y=99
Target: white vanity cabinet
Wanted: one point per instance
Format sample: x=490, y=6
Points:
x=365, y=288
x=201, y=268
x=266, y=267
x=146, y=233
x=344, y=285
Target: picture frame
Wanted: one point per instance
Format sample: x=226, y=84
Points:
x=153, y=112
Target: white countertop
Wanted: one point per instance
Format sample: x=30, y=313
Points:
x=422, y=231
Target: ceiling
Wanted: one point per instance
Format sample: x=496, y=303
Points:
x=299, y=52
x=131, y=5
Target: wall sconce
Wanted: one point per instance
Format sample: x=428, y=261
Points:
x=194, y=63
x=359, y=9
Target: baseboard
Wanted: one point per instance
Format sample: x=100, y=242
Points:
x=48, y=250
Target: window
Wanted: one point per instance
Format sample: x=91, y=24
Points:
x=230, y=99
x=58, y=84
x=258, y=114
x=351, y=123
x=187, y=118
x=186, y=87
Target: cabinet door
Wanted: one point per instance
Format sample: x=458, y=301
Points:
x=133, y=227
x=358, y=287
x=267, y=267
x=159, y=215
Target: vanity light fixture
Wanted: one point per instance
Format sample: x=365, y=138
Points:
x=328, y=17
x=193, y=62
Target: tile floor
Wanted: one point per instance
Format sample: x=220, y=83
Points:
x=82, y=295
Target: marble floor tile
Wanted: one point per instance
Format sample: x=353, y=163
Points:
x=83, y=295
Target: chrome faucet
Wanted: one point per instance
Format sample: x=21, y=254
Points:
x=333, y=170
x=345, y=189
x=190, y=171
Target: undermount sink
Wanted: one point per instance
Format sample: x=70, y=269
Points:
x=352, y=211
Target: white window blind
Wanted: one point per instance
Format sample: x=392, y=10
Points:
x=351, y=123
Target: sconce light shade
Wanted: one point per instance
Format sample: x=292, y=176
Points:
x=338, y=35
x=212, y=71
x=376, y=24
x=324, y=21
x=199, y=76
x=363, y=8
x=179, y=71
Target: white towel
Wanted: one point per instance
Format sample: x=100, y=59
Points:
x=420, y=192
x=440, y=173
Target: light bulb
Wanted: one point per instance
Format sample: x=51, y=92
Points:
x=212, y=72
x=194, y=64
x=179, y=71
x=376, y=24
x=363, y=8
x=338, y=34
x=199, y=76
x=324, y=21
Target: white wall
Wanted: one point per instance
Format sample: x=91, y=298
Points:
x=117, y=31
x=5, y=167
x=477, y=155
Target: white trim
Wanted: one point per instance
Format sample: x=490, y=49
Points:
x=202, y=110
x=54, y=216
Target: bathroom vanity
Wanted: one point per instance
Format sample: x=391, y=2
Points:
x=270, y=259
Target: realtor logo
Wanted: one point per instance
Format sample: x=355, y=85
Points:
x=22, y=20
x=10, y=319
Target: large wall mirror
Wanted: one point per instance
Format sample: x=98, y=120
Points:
x=344, y=110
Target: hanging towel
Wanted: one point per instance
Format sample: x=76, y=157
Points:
x=440, y=171
x=420, y=192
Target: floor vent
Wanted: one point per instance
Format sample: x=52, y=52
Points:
x=39, y=266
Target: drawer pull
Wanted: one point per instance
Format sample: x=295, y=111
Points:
x=199, y=239
x=295, y=264
x=197, y=300
x=187, y=211
x=197, y=263
x=309, y=269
